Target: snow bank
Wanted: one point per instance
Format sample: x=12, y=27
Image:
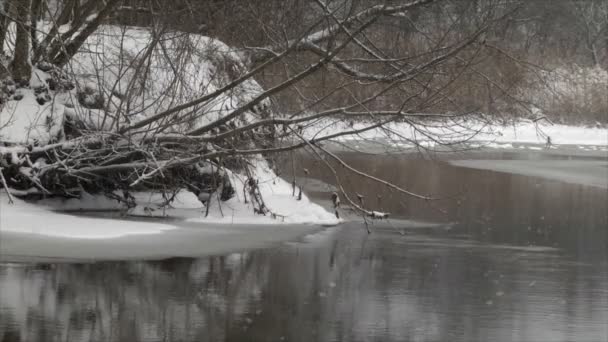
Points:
x=22, y=217
x=36, y=233
x=23, y=119
x=276, y=193
x=44, y=218
x=527, y=132
x=112, y=81
x=476, y=133
x=181, y=68
x=586, y=172
x=278, y=197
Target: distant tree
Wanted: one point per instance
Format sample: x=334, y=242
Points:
x=592, y=23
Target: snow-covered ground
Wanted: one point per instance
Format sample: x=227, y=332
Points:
x=104, y=70
x=45, y=216
x=278, y=196
x=473, y=133
x=22, y=217
x=30, y=232
x=584, y=172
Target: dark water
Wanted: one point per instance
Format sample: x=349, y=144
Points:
x=516, y=259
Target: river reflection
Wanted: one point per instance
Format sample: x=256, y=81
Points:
x=523, y=260
x=490, y=206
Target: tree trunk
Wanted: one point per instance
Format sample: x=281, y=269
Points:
x=35, y=17
x=4, y=22
x=20, y=66
x=53, y=36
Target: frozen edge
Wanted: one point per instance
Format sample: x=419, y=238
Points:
x=477, y=134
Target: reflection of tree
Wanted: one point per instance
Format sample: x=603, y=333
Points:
x=349, y=286
x=10, y=334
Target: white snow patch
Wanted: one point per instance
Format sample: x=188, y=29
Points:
x=277, y=195
x=24, y=120
x=496, y=145
x=22, y=217
x=45, y=217
x=470, y=132
x=109, y=61
x=108, y=67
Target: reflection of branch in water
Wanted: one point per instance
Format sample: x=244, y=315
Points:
x=221, y=306
x=313, y=147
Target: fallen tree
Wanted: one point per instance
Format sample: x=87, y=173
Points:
x=114, y=109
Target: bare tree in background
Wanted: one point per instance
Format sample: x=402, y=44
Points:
x=593, y=22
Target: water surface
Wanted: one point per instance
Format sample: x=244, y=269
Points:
x=513, y=258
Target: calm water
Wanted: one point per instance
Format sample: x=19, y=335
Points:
x=515, y=258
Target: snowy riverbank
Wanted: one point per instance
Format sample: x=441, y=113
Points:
x=48, y=217
x=33, y=231
x=473, y=133
x=63, y=237
x=592, y=173
x=45, y=217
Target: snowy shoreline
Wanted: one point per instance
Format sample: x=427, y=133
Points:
x=39, y=231
x=473, y=133
x=59, y=218
x=46, y=219
x=174, y=239
x=593, y=173
x=45, y=216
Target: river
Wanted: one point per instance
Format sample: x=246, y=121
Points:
x=501, y=256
